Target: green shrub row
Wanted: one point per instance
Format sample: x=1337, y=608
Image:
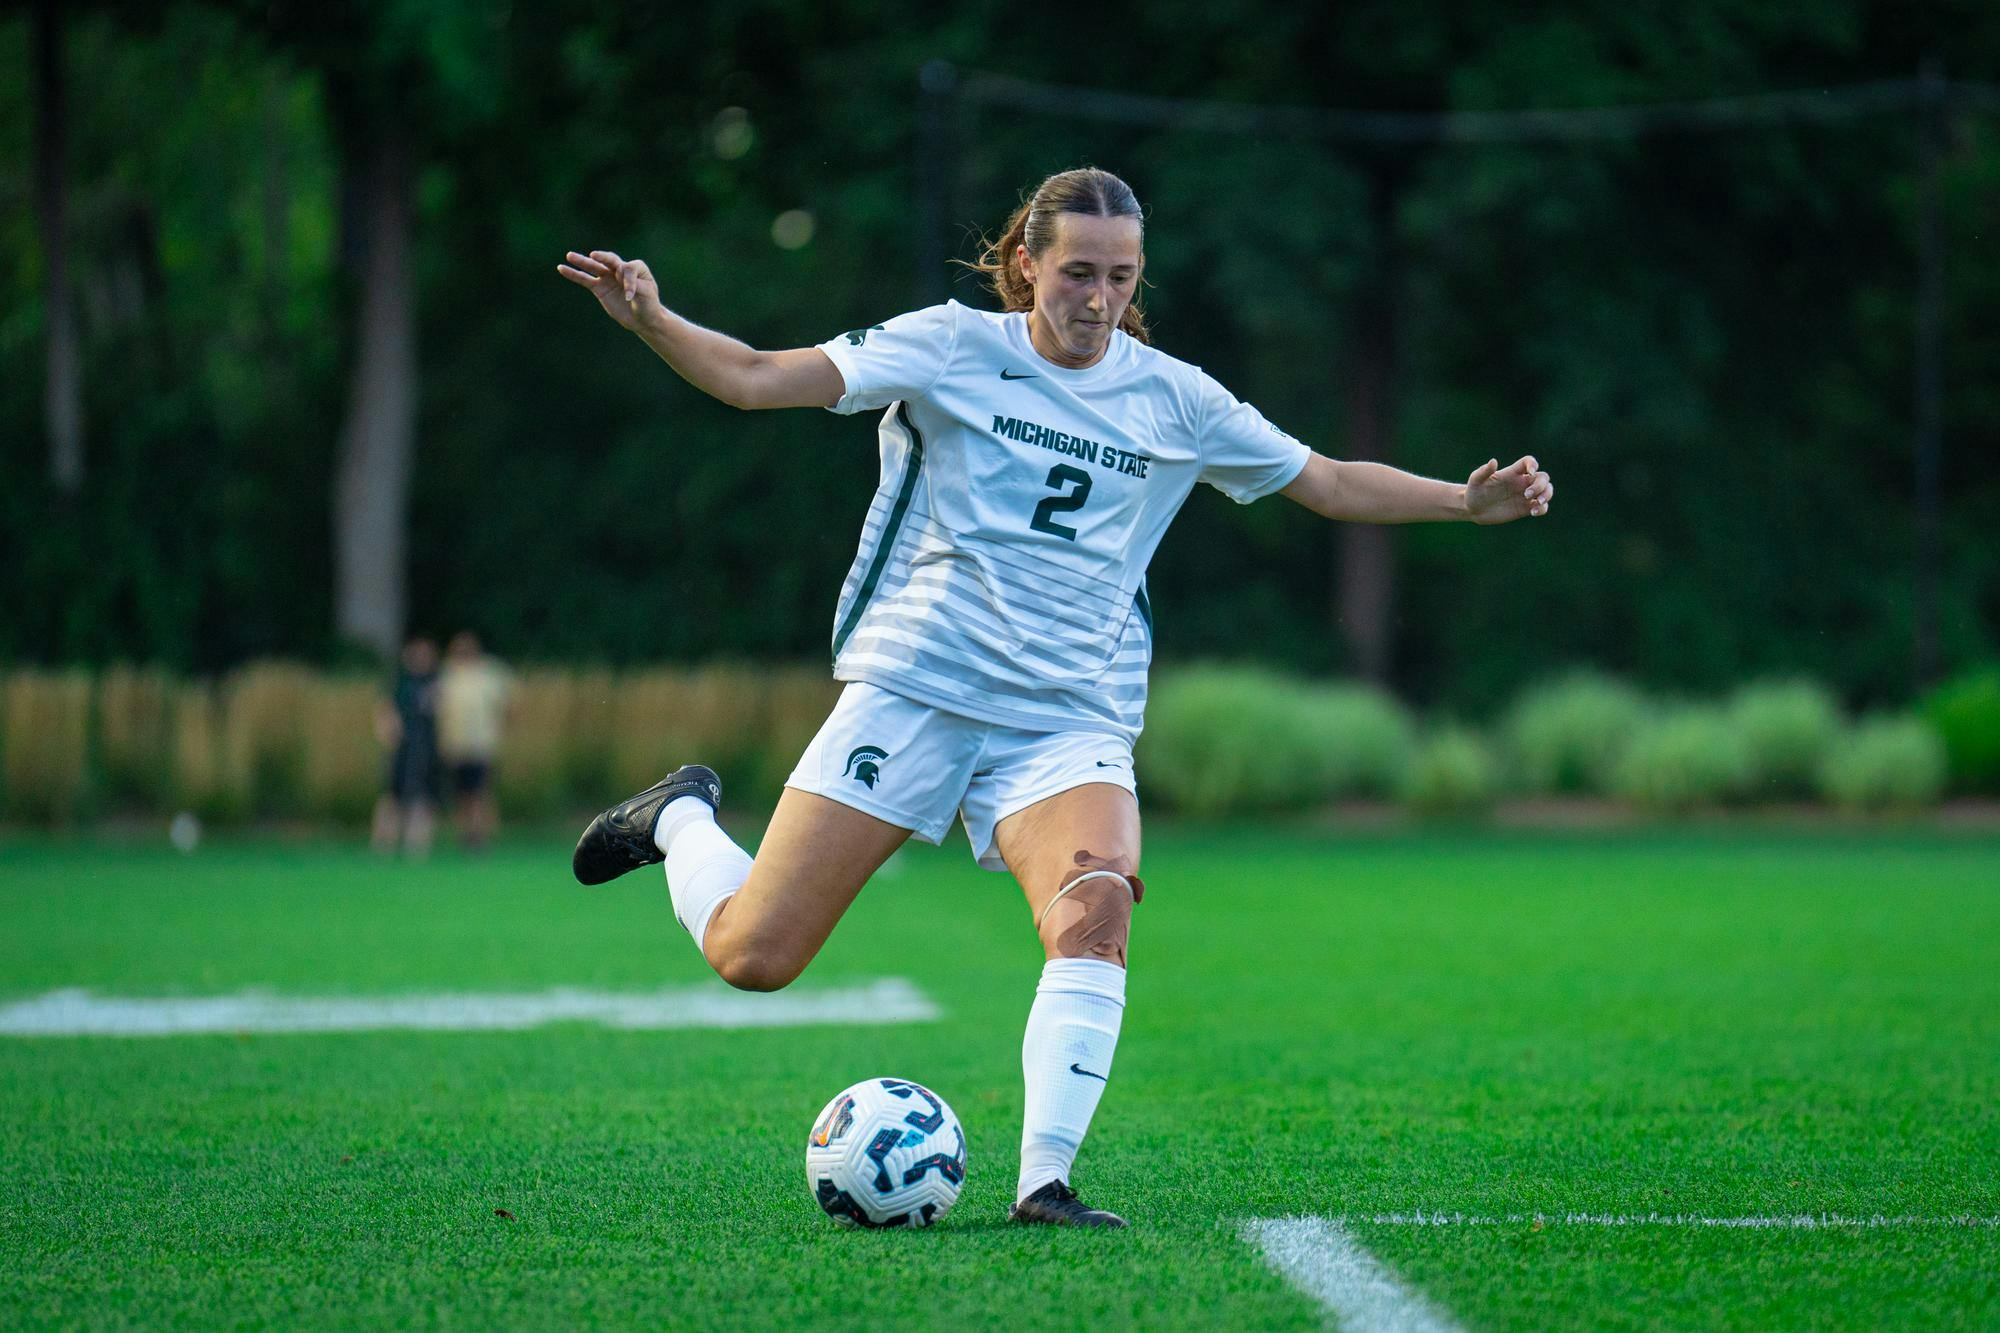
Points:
x=276, y=740
x=1223, y=740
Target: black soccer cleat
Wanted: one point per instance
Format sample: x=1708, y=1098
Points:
x=621, y=838
x=1056, y=1204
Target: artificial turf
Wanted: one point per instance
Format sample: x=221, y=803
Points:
x=1721, y=1022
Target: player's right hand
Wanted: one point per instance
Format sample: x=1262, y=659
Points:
x=624, y=287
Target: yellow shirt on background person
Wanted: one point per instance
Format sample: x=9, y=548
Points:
x=472, y=704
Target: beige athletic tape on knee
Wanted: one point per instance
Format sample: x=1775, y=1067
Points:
x=1084, y=878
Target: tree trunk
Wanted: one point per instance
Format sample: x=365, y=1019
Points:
x=1366, y=584
x=277, y=203
x=62, y=401
x=1932, y=135
x=378, y=442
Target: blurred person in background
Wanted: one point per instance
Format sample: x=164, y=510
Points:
x=472, y=710
x=406, y=724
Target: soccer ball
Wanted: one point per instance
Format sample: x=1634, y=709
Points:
x=886, y=1153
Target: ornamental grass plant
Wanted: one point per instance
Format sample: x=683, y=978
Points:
x=135, y=736
x=797, y=700
x=1453, y=772
x=1887, y=763
x=1684, y=758
x=1223, y=740
x=1785, y=729
x=551, y=712
x=749, y=723
x=1353, y=742
x=45, y=746
x=264, y=710
x=1568, y=736
x=198, y=785
x=341, y=760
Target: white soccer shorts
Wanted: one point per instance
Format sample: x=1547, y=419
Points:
x=915, y=766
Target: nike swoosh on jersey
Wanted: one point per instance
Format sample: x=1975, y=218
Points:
x=1010, y=375
x=1079, y=1069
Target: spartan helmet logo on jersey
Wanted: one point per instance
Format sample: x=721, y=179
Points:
x=865, y=765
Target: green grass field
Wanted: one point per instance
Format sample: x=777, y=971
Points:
x=1721, y=1023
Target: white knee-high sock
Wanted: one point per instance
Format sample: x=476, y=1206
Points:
x=1066, y=1060
x=704, y=868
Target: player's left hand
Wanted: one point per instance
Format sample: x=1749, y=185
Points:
x=1494, y=494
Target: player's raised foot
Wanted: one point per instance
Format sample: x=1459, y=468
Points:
x=621, y=838
x=1056, y=1204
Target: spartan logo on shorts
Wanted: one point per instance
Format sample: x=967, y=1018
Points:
x=865, y=765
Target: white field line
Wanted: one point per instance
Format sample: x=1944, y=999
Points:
x=1779, y=1222
x=1320, y=1258
x=79, y=1013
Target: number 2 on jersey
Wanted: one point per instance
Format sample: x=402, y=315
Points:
x=1060, y=476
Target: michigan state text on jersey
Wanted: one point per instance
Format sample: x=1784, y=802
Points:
x=1002, y=567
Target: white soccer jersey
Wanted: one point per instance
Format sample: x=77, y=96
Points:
x=1002, y=569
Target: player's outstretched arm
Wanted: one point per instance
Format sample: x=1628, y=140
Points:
x=715, y=363
x=1377, y=493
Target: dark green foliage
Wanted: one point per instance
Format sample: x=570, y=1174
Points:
x=1707, y=338
x=212, y=353
x=1966, y=713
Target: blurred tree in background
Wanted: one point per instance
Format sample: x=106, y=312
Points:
x=407, y=82
x=312, y=250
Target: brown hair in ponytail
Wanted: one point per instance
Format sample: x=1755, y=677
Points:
x=1088, y=190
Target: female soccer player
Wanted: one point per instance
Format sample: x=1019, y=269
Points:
x=994, y=631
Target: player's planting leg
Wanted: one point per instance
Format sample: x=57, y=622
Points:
x=1066, y=1055
x=1082, y=897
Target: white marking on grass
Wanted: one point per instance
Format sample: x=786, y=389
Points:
x=79, y=1013
x=1320, y=1258
x=1781, y=1222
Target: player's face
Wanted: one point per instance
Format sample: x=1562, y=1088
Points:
x=1083, y=282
